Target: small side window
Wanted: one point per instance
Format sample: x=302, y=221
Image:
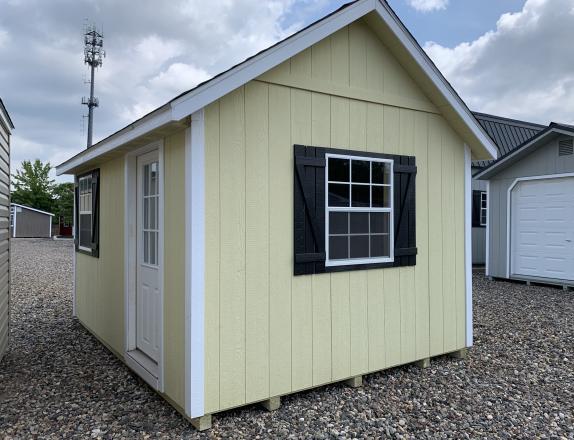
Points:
x=483, y=208
x=359, y=209
x=87, y=215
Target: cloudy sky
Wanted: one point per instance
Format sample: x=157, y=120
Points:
x=509, y=57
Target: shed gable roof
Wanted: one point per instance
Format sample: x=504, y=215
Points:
x=507, y=133
x=513, y=156
x=32, y=209
x=378, y=13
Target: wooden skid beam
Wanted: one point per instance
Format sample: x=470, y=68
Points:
x=459, y=354
x=202, y=423
x=271, y=404
x=354, y=382
x=423, y=363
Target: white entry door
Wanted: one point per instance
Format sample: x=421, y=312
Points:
x=148, y=299
x=542, y=228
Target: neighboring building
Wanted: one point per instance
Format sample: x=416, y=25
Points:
x=65, y=227
x=6, y=127
x=27, y=222
x=301, y=219
x=507, y=134
x=530, y=232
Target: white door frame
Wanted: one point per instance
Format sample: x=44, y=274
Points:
x=509, y=209
x=153, y=376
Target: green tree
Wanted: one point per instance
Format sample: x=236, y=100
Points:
x=33, y=186
x=64, y=202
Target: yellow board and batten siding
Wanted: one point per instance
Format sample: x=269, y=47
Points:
x=270, y=333
x=100, y=293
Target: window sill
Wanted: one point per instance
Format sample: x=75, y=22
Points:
x=86, y=251
x=361, y=266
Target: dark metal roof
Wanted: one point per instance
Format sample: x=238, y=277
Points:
x=506, y=133
x=514, y=155
x=2, y=107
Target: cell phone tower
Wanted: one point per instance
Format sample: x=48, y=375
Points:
x=93, y=55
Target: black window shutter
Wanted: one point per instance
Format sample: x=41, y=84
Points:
x=76, y=214
x=476, y=208
x=96, y=213
x=405, y=171
x=309, y=210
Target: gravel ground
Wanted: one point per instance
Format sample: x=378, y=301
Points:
x=58, y=381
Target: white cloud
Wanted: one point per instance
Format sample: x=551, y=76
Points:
x=4, y=37
x=167, y=50
x=178, y=76
x=428, y=5
x=524, y=68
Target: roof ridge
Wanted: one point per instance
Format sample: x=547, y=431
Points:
x=515, y=122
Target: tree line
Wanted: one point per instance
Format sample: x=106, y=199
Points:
x=33, y=187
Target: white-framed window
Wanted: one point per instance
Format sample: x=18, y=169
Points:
x=11, y=216
x=85, y=213
x=359, y=210
x=483, y=208
x=150, y=213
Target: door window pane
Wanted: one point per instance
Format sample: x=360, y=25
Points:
x=145, y=177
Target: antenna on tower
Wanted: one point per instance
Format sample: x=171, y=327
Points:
x=93, y=55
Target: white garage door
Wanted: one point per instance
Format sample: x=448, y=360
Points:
x=542, y=228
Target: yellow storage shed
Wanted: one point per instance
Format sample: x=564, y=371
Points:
x=300, y=219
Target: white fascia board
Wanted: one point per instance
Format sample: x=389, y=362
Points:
x=251, y=69
x=32, y=209
x=424, y=62
x=133, y=131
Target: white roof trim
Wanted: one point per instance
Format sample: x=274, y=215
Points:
x=31, y=209
x=219, y=86
x=493, y=169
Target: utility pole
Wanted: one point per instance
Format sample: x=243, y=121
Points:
x=93, y=54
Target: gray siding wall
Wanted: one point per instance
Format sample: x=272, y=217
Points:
x=478, y=234
x=4, y=235
x=32, y=224
x=543, y=161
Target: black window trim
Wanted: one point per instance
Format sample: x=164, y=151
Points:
x=95, y=251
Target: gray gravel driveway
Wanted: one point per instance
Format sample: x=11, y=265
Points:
x=58, y=381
